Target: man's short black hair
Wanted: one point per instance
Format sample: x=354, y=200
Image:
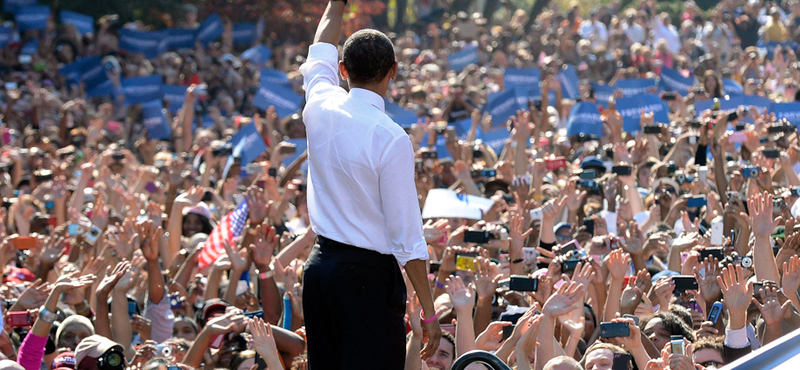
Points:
x=368, y=55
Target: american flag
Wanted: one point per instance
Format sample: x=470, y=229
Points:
x=231, y=226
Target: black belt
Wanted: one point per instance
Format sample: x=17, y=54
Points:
x=325, y=242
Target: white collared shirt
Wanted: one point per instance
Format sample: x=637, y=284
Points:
x=360, y=165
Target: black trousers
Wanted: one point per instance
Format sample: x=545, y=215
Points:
x=353, y=305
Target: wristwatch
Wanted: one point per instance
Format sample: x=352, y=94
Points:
x=47, y=315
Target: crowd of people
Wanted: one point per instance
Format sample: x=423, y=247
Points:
x=563, y=231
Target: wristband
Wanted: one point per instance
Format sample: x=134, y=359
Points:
x=518, y=260
x=439, y=284
x=265, y=275
x=428, y=321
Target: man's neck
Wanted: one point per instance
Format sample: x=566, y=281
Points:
x=376, y=88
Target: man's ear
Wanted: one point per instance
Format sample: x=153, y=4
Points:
x=342, y=71
x=393, y=71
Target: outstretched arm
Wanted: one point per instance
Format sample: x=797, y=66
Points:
x=330, y=26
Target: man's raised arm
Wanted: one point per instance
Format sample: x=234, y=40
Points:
x=330, y=26
x=321, y=69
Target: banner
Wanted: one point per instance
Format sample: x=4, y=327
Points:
x=526, y=77
x=769, y=47
x=83, y=23
x=731, y=87
x=446, y=203
x=140, y=90
x=672, y=80
x=569, y=82
x=210, y=30
x=180, y=38
x=285, y=101
x=103, y=90
x=30, y=48
x=636, y=86
x=92, y=72
x=630, y=108
x=149, y=44
x=789, y=111
x=584, y=118
x=175, y=95
x=12, y=6
x=247, y=144
x=603, y=93
x=5, y=35
x=495, y=139
x=257, y=55
x=403, y=117
x=502, y=105
x=245, y=34
x=462, y=128
x=155, y=121
x=461, y=59
x=273, y=76
x=32, y=17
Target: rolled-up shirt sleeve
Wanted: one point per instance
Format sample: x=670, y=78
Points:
x=160, y=314
x=320, y=71
x=399, y=199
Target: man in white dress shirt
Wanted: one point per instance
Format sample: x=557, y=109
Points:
x=362, y=203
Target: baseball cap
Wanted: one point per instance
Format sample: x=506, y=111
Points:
x=561, y=225
x=213, y=307
x=593, y=162
x=94, y=346
x=10, y=365
x=64, y=361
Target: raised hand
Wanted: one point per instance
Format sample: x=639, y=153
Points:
x=263, y=339
x=563, y=301
x=463, y=297
x=735, y=288
x=111, y=278
x=263, y=247
x=772, y=311
x=618, y=263
x=240, y=259
x=709, y=288
x=761, y=218
x=790, y=281
x=663, y=289
x=485, y=281
x=632, y=294
x=230, y=322
x=492, y=338
x=634, y=339
x=149, y=239
x=413, y=309
x=34, y=296
x=259, y=205
x=68, y=282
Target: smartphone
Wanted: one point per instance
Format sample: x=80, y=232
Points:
x=254, y=169
x=555, y=163
x=569, y=266
x=614, y=330
x=465, y=261
x=131, y=309
x=708, y=252
x=693, y=140
x=772, y=153
x=677, y=345
x=18, y=319
x=589, y=223
x=652, y=130
x=696, y=201
x=523, y=283
x=702, y=173
x=259, y=313
x=507, y=331
x=737, y=137
x=622, y=170
x=684, y=283
x=587, y=184
x=732, y=116
x=151, y=187
x=588, y=175
x=289, y=149
x=476, y=236
x=777, y=129
x=668, y=95
x=272, y=172
x=24, y=242
x=714, y=312
x=74, y=229
x=429, y=155
x=632, y=317
x=622, y=361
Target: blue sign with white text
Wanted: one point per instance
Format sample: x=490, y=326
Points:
x=210, y=30
x=636, y=86
x=32, y=17
x=175, y=95
x=285, y=101
x=569, y=82
x=149, y=44
x=273, y=76
x=248, y=144
x=461, y=59
x=525, y=77
x=672, y=80
x=584, y=118
x=502, y=105
x=140, y=90
x=83, y=23
x=788, y=111
x=180, y=38
x=400, y=115
x=245, y=34
x=257, y=55
x=155, y=121
x=603, y=93
x=631, y=107
x=12, y=6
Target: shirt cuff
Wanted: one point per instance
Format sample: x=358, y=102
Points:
x=420, y=252
x=323, y=51
x=736, y=338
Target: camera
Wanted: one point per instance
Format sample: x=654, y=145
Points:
x=223, y=151
x=749, y=171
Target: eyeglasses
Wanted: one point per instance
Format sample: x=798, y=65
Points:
x=562, y=238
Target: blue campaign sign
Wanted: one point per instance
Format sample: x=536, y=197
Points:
x=636, y=86
x=732, y=87
x=400, y=115
x=5, y=35
x=302, y=145
x=461, y=59
x=273, y=76
x=569, y=82
x=140, y=90
x=285, y=101
x=30, y=48
x=12, y=6
x=92, y=72
x=149, y=44
x=502, y=105
x=32, y=17
x=603, y=93
x=175, y=95
x=526, y=77
x=210, y=30
x=630, y=108
x=105, y=89
x=584, y=118
x=83, y=23
x=248, y=144
x=672, y=80
x=495, y=139
x=789, y=111
x=462, y=128
x=155, y=121
x=257, y=55
x=734, y=102
x=758, y=102
x=180, y=38
x=245, y=34
x=770, y=46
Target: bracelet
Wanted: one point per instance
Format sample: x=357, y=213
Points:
x=439, y=284
x=265, y=275
x=518, y=260
x=428, y=321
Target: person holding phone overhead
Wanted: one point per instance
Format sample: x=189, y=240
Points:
x=362, y=204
